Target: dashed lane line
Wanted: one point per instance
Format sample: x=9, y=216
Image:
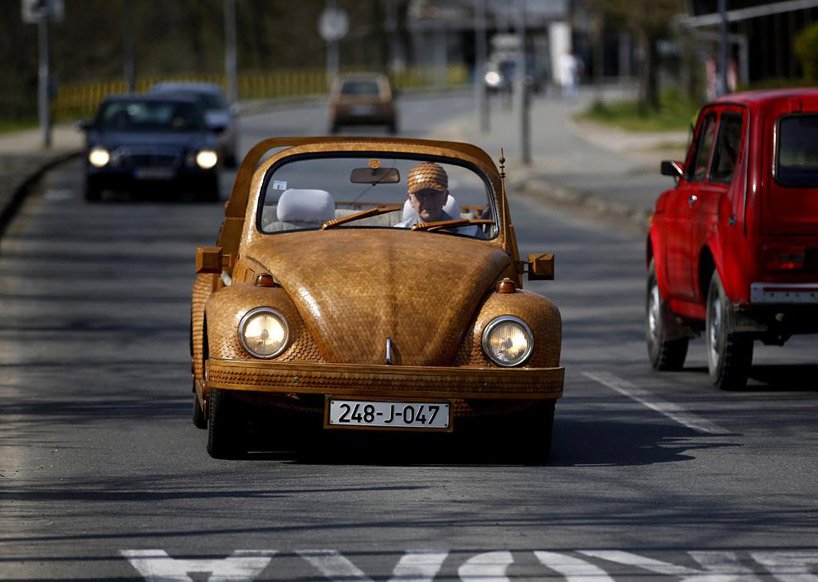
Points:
x=646, y=398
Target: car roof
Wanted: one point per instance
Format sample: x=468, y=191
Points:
x=153, y=98
x=193, y=86
x=763, y=97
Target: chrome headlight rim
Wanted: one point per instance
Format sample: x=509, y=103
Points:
x=281, y=319
x=526, y=331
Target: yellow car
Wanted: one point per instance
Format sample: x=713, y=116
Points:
x=372, y=284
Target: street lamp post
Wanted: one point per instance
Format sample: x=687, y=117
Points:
x=480, y=53
x=230, y=53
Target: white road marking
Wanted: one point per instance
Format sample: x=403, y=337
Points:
x=790, y=566
x=646, y=398
x=574, y=569
x=157, y=566
x=424, y=565
x=414, y=565
x=718, y=566
x=486, y=567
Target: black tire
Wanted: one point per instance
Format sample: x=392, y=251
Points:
x=199, y=418
x=729, y=354
x=533, y=429
x=667, y=343
x=226, y=427
x=393, y=127
x=93, y=193
x=209, y=192
x=334, y=128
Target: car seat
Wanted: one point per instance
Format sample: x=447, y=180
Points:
x=302, y=208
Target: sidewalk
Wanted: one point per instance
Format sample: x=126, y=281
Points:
x=588, y=167
x=584, y=167
x=23, y=159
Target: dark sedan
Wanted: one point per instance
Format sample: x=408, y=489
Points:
x=150, y=144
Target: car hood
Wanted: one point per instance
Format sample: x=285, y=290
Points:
x=112, y=139
x=356, y=288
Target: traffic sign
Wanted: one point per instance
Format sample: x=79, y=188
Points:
x=32, y=11
x=333, y=24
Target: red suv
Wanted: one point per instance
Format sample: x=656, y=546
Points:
x=733, y=248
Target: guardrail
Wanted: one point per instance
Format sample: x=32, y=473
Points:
x=77, y=100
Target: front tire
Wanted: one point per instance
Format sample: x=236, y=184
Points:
x=226, y=429
x=199, y=418
x=667, y=351
x=534, y=431
x=729, y=354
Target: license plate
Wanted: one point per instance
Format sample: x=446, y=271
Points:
x=154, y=173
x=388, y=414
x=362, y=110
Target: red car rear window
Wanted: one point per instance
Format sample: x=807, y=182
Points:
x=797, y=156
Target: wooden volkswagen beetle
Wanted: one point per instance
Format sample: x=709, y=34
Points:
x=363, y=283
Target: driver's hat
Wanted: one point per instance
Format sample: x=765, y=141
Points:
x=427, y=176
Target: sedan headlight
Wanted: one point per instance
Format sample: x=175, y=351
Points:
x=507, y=341
x=99, y=157
x=206, y=159
x=263, y=332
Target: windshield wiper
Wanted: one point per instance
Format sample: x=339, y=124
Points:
x=447, y=224
x=383, y=209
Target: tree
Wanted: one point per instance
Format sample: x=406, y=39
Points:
x=649, y=21
x=805, y=48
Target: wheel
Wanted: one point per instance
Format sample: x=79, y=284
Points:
x=209, y=191
x=226, y=430
x=93, y=193
x=533, y=429
x=393, y=127
x=199, y=418
x=334, y=128
x=729, y=354
x=667, y=347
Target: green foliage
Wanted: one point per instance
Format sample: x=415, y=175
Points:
x=805, y=48
x=674, y=113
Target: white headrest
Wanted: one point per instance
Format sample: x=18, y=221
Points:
x=297, y=205
x=450, y=208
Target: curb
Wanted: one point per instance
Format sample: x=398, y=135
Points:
x=26, y=184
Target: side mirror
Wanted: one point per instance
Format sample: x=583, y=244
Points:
x=84, y=124
x=541, y=267
x=673, y=169
x=209, y=260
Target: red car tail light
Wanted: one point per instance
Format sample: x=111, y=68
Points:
x=784, y=258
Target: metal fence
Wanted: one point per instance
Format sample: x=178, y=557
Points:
x=77, y=100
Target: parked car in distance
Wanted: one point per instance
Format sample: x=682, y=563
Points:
x=372, y=284
x=150, y=143
x=362, y=99
x=733, y=247
x=220, y=115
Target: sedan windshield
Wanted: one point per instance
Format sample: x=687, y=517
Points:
x=438, y=196
x=149, y=115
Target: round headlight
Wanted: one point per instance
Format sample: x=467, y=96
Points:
x=507, y=341
x=99, y=157
x=206, y=159
x=263, y=332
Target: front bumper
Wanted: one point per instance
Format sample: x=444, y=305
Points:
x=386, y=381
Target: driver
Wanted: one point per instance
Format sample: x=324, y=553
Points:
x=427, y=186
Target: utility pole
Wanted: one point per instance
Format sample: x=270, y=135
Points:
x=44, y=78
x=723, y=44
x=522, y=86
x=230, y=54
x=129, y=61
x=480, y=57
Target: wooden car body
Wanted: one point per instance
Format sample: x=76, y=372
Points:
x=373, y=314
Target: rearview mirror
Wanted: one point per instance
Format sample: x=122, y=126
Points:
x=375, y=176
x=209, y=260
x=673, y=169
x=541, y=267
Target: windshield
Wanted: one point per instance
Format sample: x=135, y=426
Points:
x=377, y=192
x=360, y=88
x=797, y=160
x=150, y=116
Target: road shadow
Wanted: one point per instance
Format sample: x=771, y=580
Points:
x=773, y=378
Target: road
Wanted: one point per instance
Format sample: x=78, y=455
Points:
x=104, y=476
